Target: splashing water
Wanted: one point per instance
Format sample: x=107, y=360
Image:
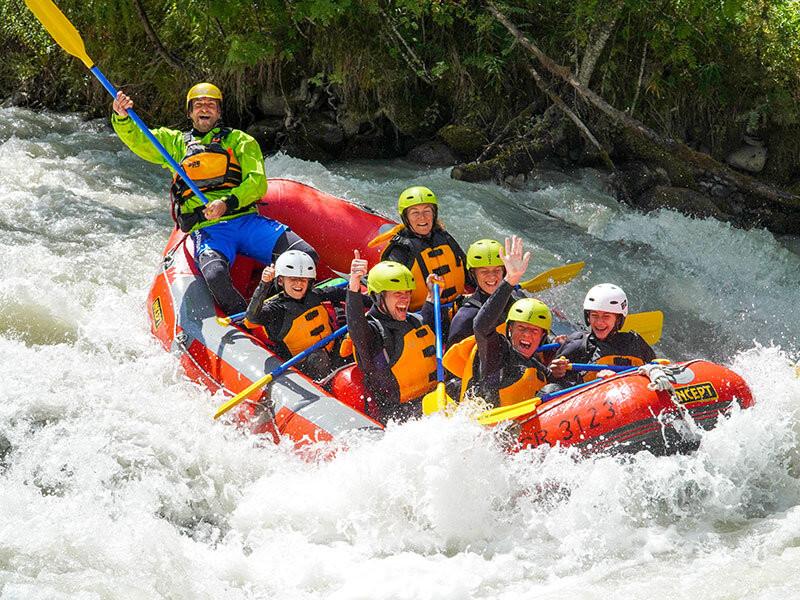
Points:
x=117, y=483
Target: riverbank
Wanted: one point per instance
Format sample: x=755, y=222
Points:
x=687, y=107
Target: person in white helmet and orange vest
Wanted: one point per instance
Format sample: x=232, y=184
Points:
x=228, y=167
x=394, y=349
x=296, y=315
x=504, y=368
x=604, y=310
x=423, y=246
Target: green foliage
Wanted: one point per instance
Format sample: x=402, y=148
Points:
x=706, y=63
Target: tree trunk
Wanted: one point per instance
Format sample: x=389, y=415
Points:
x=749, y=201
x=598, y=38
x=168, y=56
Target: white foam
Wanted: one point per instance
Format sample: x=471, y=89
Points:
x=115, y=481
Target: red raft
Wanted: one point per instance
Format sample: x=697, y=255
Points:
x=183, y=317
x=619, y=413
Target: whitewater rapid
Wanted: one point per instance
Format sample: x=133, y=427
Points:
x=115, y=482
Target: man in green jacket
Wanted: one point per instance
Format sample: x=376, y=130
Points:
x=227, y=165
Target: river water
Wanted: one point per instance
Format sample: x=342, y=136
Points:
x=115, y=482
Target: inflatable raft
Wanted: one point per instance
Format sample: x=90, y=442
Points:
x=619, y=412
x=183, y=317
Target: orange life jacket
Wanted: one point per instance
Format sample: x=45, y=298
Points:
x=210, y=166
x=305, y=322
x=414, y=366
x=440, y=255
x=524, y=387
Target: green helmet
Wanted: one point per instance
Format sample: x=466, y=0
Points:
x=389, y=276
x=484, y=253
x=530, y=310
x=416, y=195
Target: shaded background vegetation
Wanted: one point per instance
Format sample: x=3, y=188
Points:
x=707, y=73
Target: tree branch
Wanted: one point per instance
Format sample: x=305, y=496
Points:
x=700, y=163
x=598, y=38
x=168, y=56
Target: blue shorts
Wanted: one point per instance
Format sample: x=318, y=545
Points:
x=251, y=235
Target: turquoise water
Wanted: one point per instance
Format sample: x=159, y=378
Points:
x=115, y=482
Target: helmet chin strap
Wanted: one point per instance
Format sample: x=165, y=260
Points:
x=380, y=302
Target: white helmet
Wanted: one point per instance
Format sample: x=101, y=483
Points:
x=606, y=297
x=294, y=263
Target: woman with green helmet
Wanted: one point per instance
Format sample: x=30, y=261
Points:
x=487, y=270
x=422, y=245
x=504, y=369
x=395, y=349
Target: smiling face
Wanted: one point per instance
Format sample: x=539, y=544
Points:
x=204, y=113
x=526, y=338
x=294, y=287
x=420, y=218
x=488, y=278
x=602, y=323
x=396, y=303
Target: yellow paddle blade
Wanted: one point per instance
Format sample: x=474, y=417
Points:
x=385, y=236
x=646, y=324
x=58, y=26
x=553, y=277
x=223, y=321
x=507, y=413
x=437, y=401
x=242, y=395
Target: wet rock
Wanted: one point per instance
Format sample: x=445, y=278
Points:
x=376, y=139
x=720, y=191
x=683, y=200
x=324, y=133
x=465, y=141
x=17, y=98
x=266, y=132
x=636, y=177
x=271, y=105
x=299, y=147
x=748, y=158
x=432, y=154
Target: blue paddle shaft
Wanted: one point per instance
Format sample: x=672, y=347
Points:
x=313, y=348
x=132, y=114
x=596, y=367
x=437, y=320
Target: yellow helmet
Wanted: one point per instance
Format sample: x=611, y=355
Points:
x=530, y=310
x=389, y=276
x=416, y=195
x=203, y=90
x=484, y=253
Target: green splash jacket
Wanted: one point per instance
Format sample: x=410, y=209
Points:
x=245, y=148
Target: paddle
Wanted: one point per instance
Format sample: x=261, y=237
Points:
x=225, y=321
x=553, y=277
x=264, y=381
x=385, y=236
x=66, y=36
x=647, y=324
x=438, y=399
x=597, y=367
x=520, y=409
